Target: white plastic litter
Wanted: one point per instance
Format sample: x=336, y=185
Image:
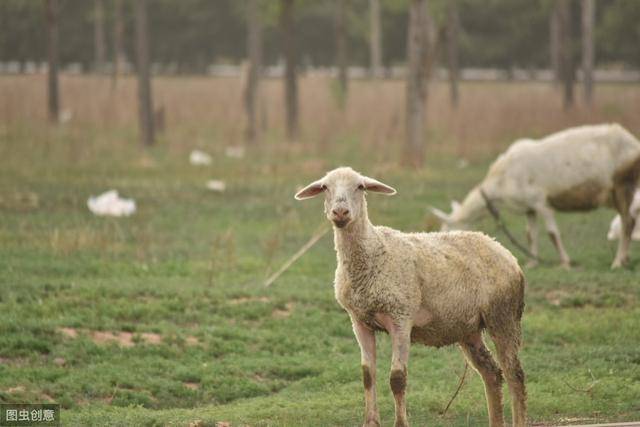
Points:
x=235, y=151
x=65, y=116
x=111, y=204
x=216, y=185
x=615, y=229
x=199, y=158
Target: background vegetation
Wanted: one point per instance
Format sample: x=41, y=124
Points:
x=162, y=318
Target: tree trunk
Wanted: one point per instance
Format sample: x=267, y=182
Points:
x=375, y=38
x=252, y=88
x=52, y=50
x=453, y=24
x=119, y=57
x=341, y=47
x=417, y=55
x=554, y=43
x=98, y=36
x=588, y=18
x=567, y=66
x=144, y=80
x=291, y=83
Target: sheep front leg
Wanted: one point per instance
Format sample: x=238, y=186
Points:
x=532, y=237
x=367, y=340
x=554, y=235
x=400, y=342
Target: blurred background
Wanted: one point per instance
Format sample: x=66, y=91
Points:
x=206, y=116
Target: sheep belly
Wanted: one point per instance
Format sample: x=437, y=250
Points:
x=582, y=197
x=438, y=335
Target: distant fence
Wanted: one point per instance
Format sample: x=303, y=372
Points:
x=612, y=75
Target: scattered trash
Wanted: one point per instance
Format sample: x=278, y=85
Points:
x=65, y=116
x=199, y=158
x=615, y=229
x=462, y=163
x=216, y=185
x=111, y=204
x=235, y=151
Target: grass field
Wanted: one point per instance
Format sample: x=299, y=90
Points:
x=162, y=318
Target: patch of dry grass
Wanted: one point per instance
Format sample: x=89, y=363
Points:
x=490, y=114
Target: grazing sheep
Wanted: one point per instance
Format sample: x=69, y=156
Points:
x=615, y=228
x=578, y=169
x=435, y=289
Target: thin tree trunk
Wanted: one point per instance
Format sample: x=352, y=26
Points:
x=119, y=58
x=291, y=83
x=254, y=50
x=554, y=42
x=53, y=96
x=588, y=18
x=567, y=65
x=98, y=36
x=453, y=24
x=417, y=55
x=144, y=79
x=375, y=38
x=341, y=47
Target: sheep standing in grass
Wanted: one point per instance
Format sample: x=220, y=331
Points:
x=435, y=289
x=578, y=169
x=615, y=229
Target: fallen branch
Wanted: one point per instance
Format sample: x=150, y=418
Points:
x=462, y=378
x=314, y=239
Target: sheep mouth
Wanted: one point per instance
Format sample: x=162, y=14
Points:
x=340, y=223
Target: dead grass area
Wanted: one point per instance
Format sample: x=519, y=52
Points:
x=374, y=111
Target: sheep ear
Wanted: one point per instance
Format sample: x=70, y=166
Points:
x=311, y=190
x=455, y=205
x=372, y=185
x=441, y=215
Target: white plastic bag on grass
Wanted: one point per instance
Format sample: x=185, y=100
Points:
x=111, y=204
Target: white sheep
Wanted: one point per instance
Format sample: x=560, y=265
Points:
x=435, y=289
x=578, y=169
x=615, y=229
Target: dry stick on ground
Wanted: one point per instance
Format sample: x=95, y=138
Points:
x=460, y=384
x=587, y=390
x=314, y=239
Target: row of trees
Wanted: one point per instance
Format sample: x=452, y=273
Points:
x=493, y=33
x=433, y=29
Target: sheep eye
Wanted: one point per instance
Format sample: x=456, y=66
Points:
x=323, y=187
x=361, y=187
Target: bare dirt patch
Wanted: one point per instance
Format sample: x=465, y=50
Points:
x=192, y=341
x=192, y=386
x=245, y=300
x=123, y=339
x=556, y=297
x=68, y=332
x=16, y=389
x=283, y=313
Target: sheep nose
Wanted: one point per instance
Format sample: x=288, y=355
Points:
x=340, y=212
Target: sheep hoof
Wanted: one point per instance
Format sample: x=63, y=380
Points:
x=566, y=265
x=371, y=423
x=619, y=263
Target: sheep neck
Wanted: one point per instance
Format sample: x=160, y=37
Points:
x=472, y=208
x=357, y=246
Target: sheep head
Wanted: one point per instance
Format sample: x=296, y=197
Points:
x=344, y=190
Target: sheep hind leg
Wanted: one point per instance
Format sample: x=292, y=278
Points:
x=483, y=362
x=623, y=197
x=507, y=343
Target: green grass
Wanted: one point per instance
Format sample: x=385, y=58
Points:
x=189, y=267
